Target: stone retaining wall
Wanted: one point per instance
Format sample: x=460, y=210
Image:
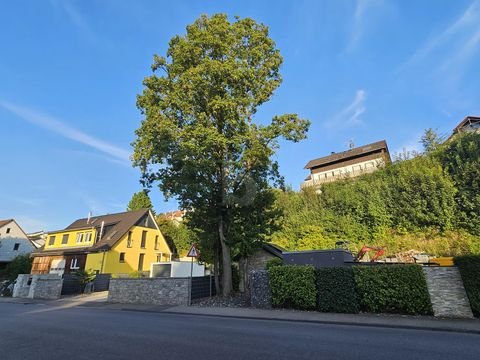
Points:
x=149, y=291
x=39, y=286
x=447, y=293
x=260, y=296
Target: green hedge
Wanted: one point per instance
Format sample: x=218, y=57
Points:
x=337, y=291
x=293, y=287
x=469, y=267
x=393, y=289
x=273, y=262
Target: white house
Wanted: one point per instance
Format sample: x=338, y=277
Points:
x=13, y=241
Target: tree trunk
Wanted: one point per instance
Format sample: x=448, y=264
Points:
x=216, y=270
x=226, y=260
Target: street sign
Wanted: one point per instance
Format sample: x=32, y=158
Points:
x=193, y=252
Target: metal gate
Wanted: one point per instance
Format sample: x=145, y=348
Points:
x=71, y=285
x=203, y=286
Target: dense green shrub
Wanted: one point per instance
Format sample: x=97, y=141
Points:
x=21, y=264
x=293, y=287
x=337, y=291
x=273, y=262
x=393, y=289
x=461, y=160
x=469, y=267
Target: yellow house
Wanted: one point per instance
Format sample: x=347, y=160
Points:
x=109, y=244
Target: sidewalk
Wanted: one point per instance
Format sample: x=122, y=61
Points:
x=377, y=320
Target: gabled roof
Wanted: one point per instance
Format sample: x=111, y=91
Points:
x=344, y=155
x=115, y=226
x=274, y=249
x=468, y=119
x=5, y=222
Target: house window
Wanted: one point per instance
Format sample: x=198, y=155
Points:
x=52, y=240
x=16, y=246
x=74, y=264
x=79, y=238
x=122, y=257
x=156, y=242
x=143, y=244
x=88, y=237
x=159, y=258
x=129, y=240
x=8, y=230
x=140, y=262
x=65, y=239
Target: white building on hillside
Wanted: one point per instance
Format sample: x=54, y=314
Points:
x=13, y=241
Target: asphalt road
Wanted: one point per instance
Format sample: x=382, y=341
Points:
x=43, y=332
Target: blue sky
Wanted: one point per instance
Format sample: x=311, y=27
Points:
x=360, y=70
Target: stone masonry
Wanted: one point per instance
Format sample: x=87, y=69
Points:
x=45, y=286
x=447, y=293
x=149, y=291
x=260, y=295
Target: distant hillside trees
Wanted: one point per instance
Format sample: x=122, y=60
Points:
x=430, y=202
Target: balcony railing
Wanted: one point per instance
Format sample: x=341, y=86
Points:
x=324, y=180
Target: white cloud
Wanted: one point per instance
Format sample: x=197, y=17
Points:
x=75, y=17
x=60, y=127
x=464, y=30
x=359, y=21
x=351, y=114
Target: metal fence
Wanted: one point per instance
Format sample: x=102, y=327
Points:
x=203, y=286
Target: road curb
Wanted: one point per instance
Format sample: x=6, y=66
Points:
x=324, y=322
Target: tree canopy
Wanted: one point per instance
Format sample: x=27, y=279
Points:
x=199, y=139
x=140, y=200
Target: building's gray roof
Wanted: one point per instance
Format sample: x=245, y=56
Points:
x=345, y=155
x=468, y=119
x=115, y=226
x=5, y=222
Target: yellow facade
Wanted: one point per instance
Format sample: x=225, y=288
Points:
x=112, y=262
x=123, y=258
x=70, y=239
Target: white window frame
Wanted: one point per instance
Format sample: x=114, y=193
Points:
x=74, y=264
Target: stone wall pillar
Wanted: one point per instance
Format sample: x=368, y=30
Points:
x=447, y=293
x=260, y=295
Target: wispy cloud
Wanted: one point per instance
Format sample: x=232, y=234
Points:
x=359, y=21
x=463, y=31
x=351, y=114
x=60, y=127
x=75, y=17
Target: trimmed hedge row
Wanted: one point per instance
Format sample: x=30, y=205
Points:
x=391, y=289
x=293, y=287
x=469, y=267
x=337, y=291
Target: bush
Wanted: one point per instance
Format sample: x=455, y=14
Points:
x=337, y=291
x=469, y=267
x=393, y=289
x=21, y=264
x=136, y=274
x=293, y=287
x=274, y=262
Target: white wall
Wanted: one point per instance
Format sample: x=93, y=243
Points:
x=353, y=170
x=8, y=241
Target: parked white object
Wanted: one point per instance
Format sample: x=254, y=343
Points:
x=176, y=269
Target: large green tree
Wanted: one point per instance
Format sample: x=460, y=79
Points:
x=198, y=139
x=140, y=200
